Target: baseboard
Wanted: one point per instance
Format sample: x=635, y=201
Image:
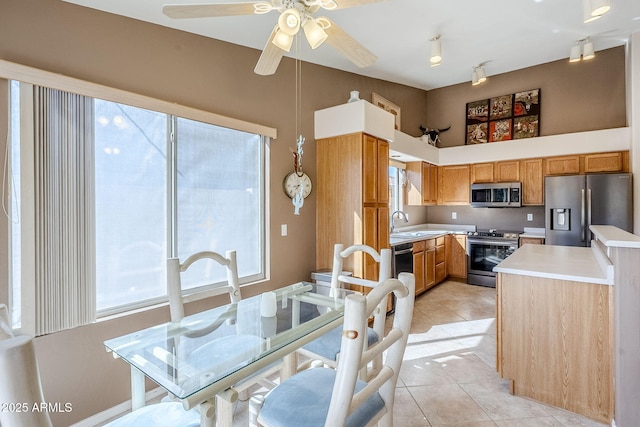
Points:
x=119, y=410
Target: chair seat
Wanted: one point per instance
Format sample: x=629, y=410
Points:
x=328, y=345
x=304, y=399
x=169, y=414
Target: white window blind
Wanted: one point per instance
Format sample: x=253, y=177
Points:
x=59, y=270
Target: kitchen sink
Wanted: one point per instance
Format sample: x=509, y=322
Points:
x=411, y=234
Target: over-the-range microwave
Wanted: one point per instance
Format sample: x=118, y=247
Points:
x=496, y=195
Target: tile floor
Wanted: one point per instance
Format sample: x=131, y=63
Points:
x=448, y=377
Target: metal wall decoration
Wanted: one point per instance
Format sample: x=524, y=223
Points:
x=503, y=118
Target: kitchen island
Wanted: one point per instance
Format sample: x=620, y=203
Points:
x=555, y=327
x=567, y=325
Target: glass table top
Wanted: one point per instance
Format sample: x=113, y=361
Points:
x=188, y=355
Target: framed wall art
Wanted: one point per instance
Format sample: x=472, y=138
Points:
x=503, y=118
x=387, y=105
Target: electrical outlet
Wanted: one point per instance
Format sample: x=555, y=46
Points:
x=283, y=230
x=454, y=215
x=530, y=217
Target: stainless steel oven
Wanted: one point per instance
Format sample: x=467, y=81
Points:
x=486, y=249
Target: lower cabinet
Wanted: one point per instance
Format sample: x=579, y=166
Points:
x=441, y=270
x=456, y=256
x=437, y=258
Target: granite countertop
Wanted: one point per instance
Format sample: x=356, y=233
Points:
x=580, y=264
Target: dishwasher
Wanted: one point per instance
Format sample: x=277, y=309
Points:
x=402, y=259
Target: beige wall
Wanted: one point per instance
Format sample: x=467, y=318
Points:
x=583, y=96
x=187, y=69
x=214, y=76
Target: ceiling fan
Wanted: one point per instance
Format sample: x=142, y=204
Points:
x=294, y=14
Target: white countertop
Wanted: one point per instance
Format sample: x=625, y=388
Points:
x=612, y=236
x=533, y=232
x=572, y=263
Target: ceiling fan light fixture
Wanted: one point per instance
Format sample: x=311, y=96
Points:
x=314, y=33
x=436, y=51
x=283, y=40
x=289, y=21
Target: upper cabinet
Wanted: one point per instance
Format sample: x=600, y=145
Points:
x=508, y=171
x=482, y=172
x=453, y=185
x=422, y=184
x=532, y=182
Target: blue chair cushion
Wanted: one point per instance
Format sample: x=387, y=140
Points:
x=303, y=400
x=328, y=345
x=169, y=414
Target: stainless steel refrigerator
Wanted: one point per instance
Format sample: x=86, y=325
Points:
x=574, y=202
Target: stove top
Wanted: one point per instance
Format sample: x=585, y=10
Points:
x=493, y=233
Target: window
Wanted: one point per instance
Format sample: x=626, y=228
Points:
x=163, y=186
x=396, y=187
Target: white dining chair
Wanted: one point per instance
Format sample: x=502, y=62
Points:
x=21, y=386
x=223, y=405
x=337, y=397
x=327, y=347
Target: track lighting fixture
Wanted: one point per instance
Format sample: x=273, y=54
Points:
x=477, y=75
x=594, y=9
x=583, y=49
x=436, y=51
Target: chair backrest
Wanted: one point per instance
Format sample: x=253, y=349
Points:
x=353, y=355
x=20, y=384
x=174, y=268
x=384, y=272
x=5, y=324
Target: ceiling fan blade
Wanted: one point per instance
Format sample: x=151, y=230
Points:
x=348, y=46
x=343, y=4
x=180, y=11
x=270, y=57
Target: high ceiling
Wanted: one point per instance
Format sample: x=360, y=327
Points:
x=507, y=35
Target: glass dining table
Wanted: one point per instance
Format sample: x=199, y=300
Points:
x=201, y=357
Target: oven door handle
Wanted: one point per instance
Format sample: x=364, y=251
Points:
x=492, y=242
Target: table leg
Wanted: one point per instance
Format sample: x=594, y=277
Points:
x=137, y=389
x=224, y=407
x=289, y=366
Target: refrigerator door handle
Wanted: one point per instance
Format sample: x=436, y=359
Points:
x=587, y=231
x=583, y=221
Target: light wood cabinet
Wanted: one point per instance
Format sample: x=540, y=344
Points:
x=453, y=185
x=532, y=182
x=531, y=240
x=604, y=162
x=507, y=171
x=565, y=358
x=419, y=266
x=456, y=256
x=352, y=198
x=562, y=165
x=440, y=260
x=422, y=184
x=482, y=172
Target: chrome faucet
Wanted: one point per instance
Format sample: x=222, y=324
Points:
x=400, y=214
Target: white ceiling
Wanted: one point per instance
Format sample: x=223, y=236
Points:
x=505, y=34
